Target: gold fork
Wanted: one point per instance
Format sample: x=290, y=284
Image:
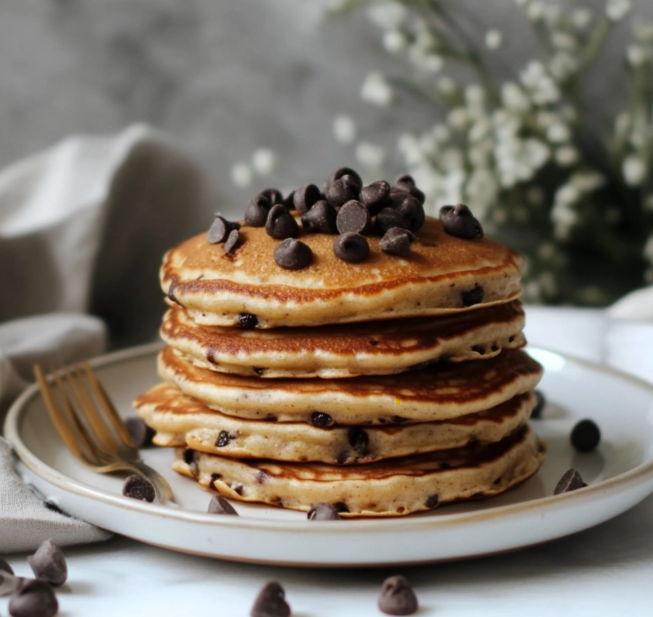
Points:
x=90, y=426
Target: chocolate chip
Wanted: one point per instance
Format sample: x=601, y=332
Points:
x=410, y=209
x=321, y=218
x=281, y=224
x=232, y=242
x=359, y=440
x=389, y=218
x=261, y=477
x=432, y=501
x=398, y=419
x=293, y=254
x=289, y=201
x=397, y=597
x=223, y=439
x=189, y=456
x=585, y=436
x=353, y=217
x=5, y=567
x=247, y=321
x=344, y=171
x=570, y=481
x=271, y=602
x=259, y=370
x=322, y=512
x=237, y=487
x=341, y=507
x=376, y=196
x=215, y=477
x=342, y=190
x=137, y=487
x=351, y=247
x=405, y=183
x=140, y=432
x=459, y=221
x=219, y=505
x=540, y=403
x=473, y=296
x=321, y=419
x=35, y=598
x=305, y=197
x=274, y=197
x=220, y=229
x=397, y=241
x=257, y=211
x=49, y=564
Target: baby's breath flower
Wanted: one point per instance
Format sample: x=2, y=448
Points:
x=643, y=31
x=616, y=10
x=388, y=15
x=566, y=156
x=458, y=118
x=587, y=181
x=562, y=65
x=581, y=18
x=638, y=55
x=446, y=85
x=394, y=41
x=370, y=155
x=344, y=129
x=441, y=133
x=376, y=90
x=513, y=97
x=493, y=39
x=241, y=175
x=558, y=132
x=564, y=40
x=408, y=146
x=634, y=170
x=264, y=161
x=535, y=10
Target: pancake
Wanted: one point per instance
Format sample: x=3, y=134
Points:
x=437, y=392
x=217, y=288
x=180, y=421
x=373, y=348
x=387, y=488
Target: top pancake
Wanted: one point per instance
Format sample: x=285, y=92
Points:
x=217, y=288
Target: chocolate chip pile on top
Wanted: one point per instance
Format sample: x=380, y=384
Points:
x=345, y=208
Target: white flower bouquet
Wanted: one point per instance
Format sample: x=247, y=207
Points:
x=574, y=196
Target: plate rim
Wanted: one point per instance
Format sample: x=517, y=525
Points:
x=34, y=464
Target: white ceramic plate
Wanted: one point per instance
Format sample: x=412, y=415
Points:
x=619, y=474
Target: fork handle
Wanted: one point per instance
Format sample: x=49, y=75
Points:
x=161, y=486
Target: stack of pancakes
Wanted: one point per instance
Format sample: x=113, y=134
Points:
x=383, y=387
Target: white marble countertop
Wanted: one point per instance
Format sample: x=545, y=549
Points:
x=606, y=570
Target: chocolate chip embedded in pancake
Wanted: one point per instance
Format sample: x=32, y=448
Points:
x=180, y=420
x=346, y=350
x=430, y=280
x=387, y=488
x=437, y=392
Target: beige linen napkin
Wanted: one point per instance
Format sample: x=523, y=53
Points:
x=83, y=227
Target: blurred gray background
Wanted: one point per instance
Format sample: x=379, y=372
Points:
x=221, y=77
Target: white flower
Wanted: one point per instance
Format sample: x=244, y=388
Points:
x=458, y=118
x=394, y=41
x=474, y=97
x=429, y=63
x=264, y=161
x=587, y=181
x=241, y=175
x=634, y=170
x=376, y=90
x=566, y=195
x=479, y=130
x=446, y=85
x=535, y=11
x=370, y=155
x=408, y=146
x=344, y=129
x=558, y=133
x=638, y=55
x=648, y=249
x=581, y=18
x=562, y=65
x=564, y=40
x=566, y=156
x=616, y=10
x=389, y=15
x=537, y=152
x=643, y=31
x=441, y=133
x=621, y=125
x=513, y=97
x=452, y=159
x=493, y=39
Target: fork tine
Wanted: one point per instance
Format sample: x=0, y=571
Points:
x=77, y=444
x=99, y=433
x=108, y=407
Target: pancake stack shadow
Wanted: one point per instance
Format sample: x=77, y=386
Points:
x=383, y=387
